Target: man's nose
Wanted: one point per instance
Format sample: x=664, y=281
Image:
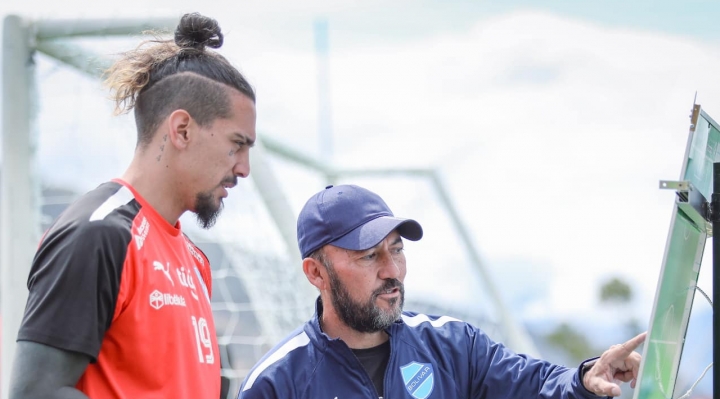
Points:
x=389, y=268
x=242, y=167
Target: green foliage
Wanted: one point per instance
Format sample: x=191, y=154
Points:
x=574, y=343
x=615, y=291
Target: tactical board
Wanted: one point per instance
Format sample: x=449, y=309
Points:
x=675, y=291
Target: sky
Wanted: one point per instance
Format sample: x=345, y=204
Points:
x=550, y=126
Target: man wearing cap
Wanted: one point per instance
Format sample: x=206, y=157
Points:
x=361, y=344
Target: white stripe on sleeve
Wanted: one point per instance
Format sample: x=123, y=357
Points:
x=415, y=321
x=120, y=198
x=299, y=340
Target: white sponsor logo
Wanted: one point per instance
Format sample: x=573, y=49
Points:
x=186, y=280
x=165, y=269
x=159, y=299
x=194, y=252
x=142, y=232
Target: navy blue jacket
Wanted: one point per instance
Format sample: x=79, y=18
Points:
x=430, y=357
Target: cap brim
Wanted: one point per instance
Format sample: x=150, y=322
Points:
x=371, y=233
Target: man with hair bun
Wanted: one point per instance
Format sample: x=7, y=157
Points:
x=119, y=301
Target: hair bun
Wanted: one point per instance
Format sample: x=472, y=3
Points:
x=197, y=31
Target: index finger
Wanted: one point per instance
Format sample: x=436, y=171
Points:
x=634, y=342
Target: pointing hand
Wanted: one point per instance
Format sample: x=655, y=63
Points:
x=619, y=363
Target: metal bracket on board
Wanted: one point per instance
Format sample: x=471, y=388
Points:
x=691, y=202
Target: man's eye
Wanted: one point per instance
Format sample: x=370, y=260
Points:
x=240, y=143
x=369, y=256
x=399, y=250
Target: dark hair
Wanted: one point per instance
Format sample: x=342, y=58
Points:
x=319, y=255
x=160, y=76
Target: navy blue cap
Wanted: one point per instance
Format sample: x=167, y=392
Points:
x=349, y=217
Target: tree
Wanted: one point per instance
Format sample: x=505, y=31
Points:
x=616, y=291
x=619, y=293
x=571, y=341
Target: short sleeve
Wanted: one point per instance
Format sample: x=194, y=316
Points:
x=74, y=284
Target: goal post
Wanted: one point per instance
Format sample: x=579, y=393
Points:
x=19, y=213
x=20, y=196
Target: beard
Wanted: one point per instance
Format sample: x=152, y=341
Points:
x=365, y=317
x=206, y=210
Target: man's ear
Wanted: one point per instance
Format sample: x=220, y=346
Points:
x=179, y=122
x=314, y=271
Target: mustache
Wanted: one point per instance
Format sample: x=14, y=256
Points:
x=230, y=180
x=388, y=285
